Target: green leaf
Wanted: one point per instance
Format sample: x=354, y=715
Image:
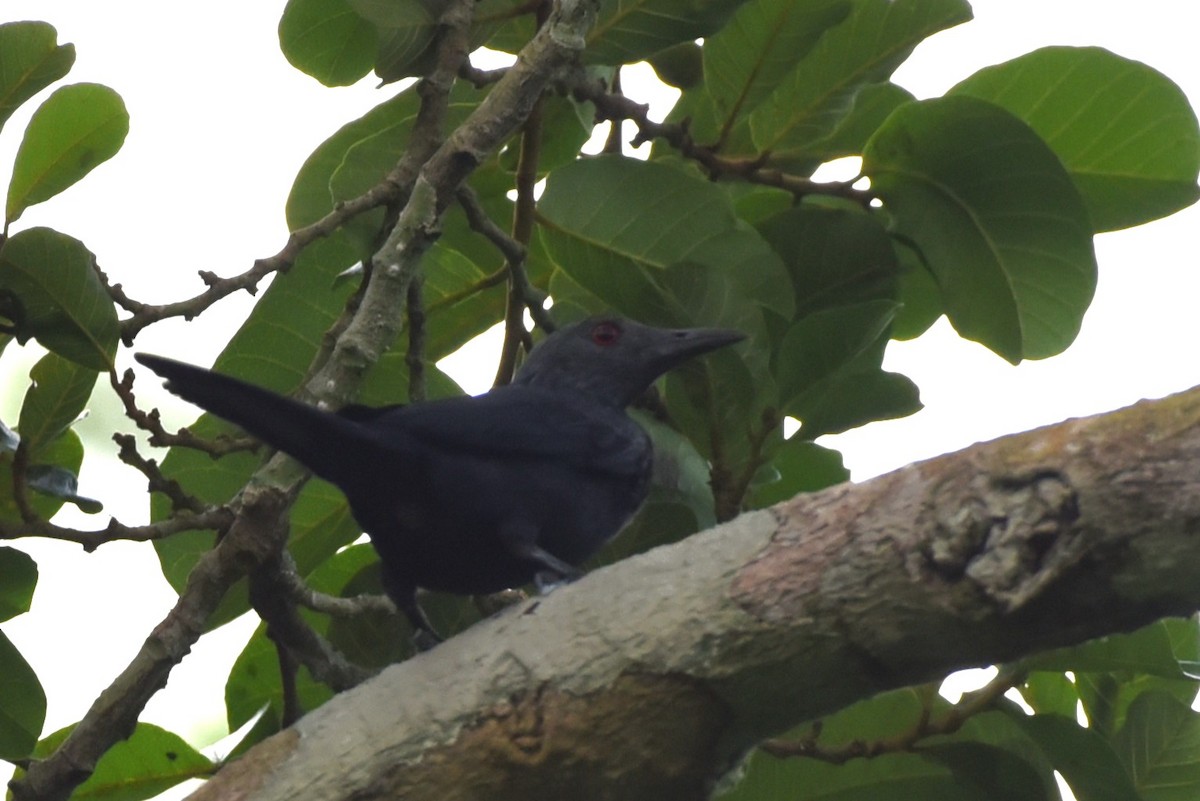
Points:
x=853, y=397
x=1125, y=132
x=836, y=258
x=680, y=472
x=817, y=95
x=58, y=482
x=800, y=466
x=22, y=703
x=78, y=128
x=327, y=40
x=1084, y=758
x=18, y=577
x=141, y=766
x=254, y=683
x=66, y=453
x=919, y=295
x=30, y=60
x=1160, y=747
x=643, y=217
x=748, y=58
x=825, y=341
x=49, y=288
x=1156, y=649
x=1051, y=692
x=996, y=217
x=996, y=773
x=632, y=30
x=9, y=439
x=406, y=30
x=57, y=395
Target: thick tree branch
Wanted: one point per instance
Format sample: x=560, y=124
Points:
x=656, y=674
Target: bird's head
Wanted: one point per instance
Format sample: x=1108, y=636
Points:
x=613, y=360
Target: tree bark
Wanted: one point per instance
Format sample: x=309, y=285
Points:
x=651, y=678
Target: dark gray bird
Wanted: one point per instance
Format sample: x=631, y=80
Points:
x=474, y=495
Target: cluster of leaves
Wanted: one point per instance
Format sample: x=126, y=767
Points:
x=1114, y=717
x=50, y=291
x=980, y=205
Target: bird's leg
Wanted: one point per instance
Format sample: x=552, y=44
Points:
x=521, y=541
x=424, y=635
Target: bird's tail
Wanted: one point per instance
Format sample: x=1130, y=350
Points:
x=325, y=443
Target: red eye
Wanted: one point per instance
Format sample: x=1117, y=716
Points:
x=605, y=334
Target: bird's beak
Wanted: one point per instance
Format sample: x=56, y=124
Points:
x=678, y=345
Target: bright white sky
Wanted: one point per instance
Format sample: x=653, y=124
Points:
x=220, y=124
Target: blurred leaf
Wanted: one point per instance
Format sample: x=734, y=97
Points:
x=65, y=452
x=1160, y=747
x=631, y=30
x=1124, y=131
x=405, y=30
x=18, y=577
x=812, y=99
x=254, y=683
x=9, y=439
x=78, y=128
x=681, y=65
x=52, y=293
x=800, y=466
x=58, y=482
x=57, y=395
x=371, y=639
x=1156, y=649
x=891, y=777
x=1050, y=692
x=680, y=472
x=141, y=766
x=22, y=703
x=327, y=40
x=30, y=60
x=1084, y=758
x=996, y=773
x=642, y=217
x=996, y=218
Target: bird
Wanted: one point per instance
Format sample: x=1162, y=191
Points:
x=472, y=495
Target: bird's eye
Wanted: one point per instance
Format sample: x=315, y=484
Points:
x=605, y=334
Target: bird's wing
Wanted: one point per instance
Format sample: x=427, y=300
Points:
x=524, y=423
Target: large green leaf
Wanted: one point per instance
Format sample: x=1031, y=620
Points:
x=18, y=577
x=747, y=59
x=50, y=290
x=1160, y=747
x=327, y=40
x=1165, y=648
x=835, y=257
x=996, y=773
x=631, y=30
x=817, y=95
x=825, y=341
x=996, y=217
x=1124, y=131
x=1084, y=758
x=78, y=128
x=58, y=392
x=30, y=60
x=147, y=762
x=22, y=703
x=614, y=224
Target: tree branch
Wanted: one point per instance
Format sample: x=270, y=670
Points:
x=690, y=654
